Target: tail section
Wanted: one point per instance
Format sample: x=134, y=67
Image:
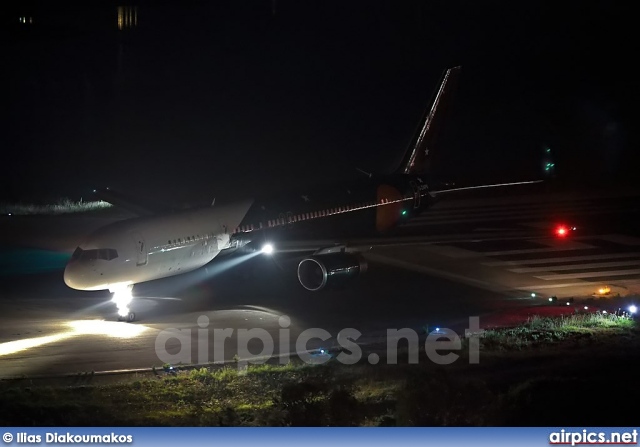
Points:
x=416, y=157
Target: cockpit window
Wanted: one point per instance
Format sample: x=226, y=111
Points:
x=76, y=254
x=106, y=254
x=89, y=255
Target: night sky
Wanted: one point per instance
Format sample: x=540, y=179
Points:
x=190, y=101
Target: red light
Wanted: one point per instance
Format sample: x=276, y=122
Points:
x=561, y=231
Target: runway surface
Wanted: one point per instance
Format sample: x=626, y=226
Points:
x=464, y=257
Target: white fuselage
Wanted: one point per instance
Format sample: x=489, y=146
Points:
x=147, y=248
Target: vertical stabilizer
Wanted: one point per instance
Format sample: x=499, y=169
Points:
x=423, y=142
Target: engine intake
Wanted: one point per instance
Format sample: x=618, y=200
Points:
x=330, y=270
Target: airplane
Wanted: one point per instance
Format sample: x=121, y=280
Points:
x=156, y=245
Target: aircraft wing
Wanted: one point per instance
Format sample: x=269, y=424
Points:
x=471, y=188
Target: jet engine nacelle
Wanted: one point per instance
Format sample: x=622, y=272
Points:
x=330, y=270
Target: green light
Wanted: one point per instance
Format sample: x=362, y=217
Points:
x=404, y=212
x=548, y=150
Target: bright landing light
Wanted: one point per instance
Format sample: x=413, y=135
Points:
x=633, y=309
x=267, y=249
x=122, y=298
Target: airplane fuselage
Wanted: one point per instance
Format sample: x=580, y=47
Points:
x=147, y=248
x=153, y=247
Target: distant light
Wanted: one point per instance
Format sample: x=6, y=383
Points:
x=267, y=249
x=633, y=309
x=533, y=295
x=9, y=214
x=586, y=307
x=604, y=312
x=404, y=212
x=550, y=299
x=568, y=303
x=604, y=290
x=322, y=351
x=561, y=231
x=548, y=150
x=437, y=329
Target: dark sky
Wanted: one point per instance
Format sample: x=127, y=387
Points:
x=220, y=98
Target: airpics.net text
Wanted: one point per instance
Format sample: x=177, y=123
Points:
x=440, y=345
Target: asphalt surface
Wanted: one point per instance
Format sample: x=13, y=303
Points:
x=482, y=256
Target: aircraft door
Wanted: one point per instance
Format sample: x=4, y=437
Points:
x=141, y=249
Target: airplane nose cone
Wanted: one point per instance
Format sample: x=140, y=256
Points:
x=73, y=276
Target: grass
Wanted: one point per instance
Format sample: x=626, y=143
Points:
x=517, y=389
x=62, y=206
x=548, y=330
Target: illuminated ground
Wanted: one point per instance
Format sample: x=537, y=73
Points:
x=464, y=258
